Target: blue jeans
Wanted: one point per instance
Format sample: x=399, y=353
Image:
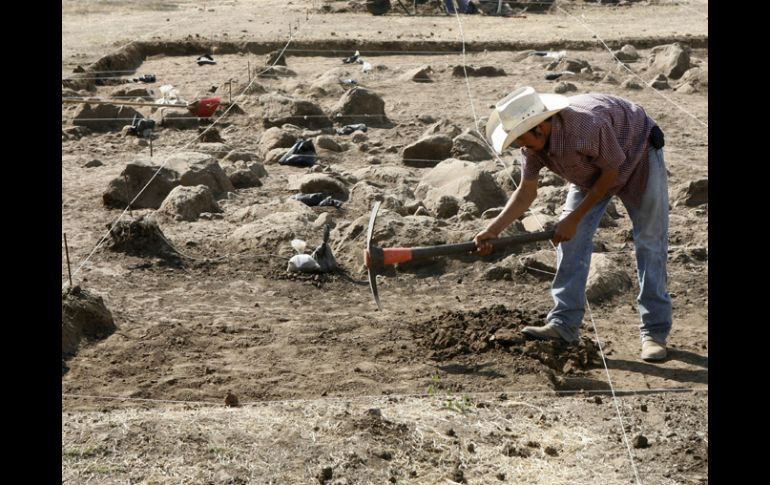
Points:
x=573, y=257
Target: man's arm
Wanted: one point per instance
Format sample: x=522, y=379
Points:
x=517, y=204
x=566, y=228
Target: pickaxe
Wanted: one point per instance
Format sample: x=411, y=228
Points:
x=203, y=108
x=377, y=258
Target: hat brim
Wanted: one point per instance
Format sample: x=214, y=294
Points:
x=499, y=138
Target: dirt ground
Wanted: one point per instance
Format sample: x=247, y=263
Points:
x=439, y=387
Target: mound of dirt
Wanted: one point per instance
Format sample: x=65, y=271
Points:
x=141, y=237
x=84, y=315
x=498, y=329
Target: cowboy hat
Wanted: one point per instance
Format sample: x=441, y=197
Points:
x=519, y=112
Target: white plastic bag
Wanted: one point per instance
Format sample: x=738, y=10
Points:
x=303, y=263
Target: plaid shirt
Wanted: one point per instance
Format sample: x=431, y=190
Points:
x=597, y=131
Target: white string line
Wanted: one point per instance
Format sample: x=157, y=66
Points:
x=644, y=83
x=614, y=399
x=106, y=235
x=374, y=397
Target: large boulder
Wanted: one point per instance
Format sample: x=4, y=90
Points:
x=200, y=169
x=279, y=110
x=104, y=117
x=400, y=199
x=693, y=193
x=360, y=105
x=274, y=231
x=468, y=146
x=184, y=168
x=387, y=174
x=133, y=178
x=442, y=127
x=276, y=137
x=187, y=203
x=428, y=151
x=671, y=60
x=605, y=278
x=461, y=180
x=316, y=182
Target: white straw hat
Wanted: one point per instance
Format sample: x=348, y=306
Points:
x=518, y=113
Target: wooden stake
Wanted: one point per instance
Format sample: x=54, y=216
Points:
x=248, y=67
x=67, y=252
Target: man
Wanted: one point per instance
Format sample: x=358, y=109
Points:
x=604, y=146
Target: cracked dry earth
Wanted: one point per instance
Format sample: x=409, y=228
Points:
x=439, y=387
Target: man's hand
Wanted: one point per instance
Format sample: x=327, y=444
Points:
x=565, y=229
x=484, y=248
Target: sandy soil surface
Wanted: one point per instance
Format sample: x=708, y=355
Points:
x=331, y=390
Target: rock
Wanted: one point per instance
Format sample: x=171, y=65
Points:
x=470, y=147
x=537, y=222
x=386, y=174
x=610, y=79
x=360, y=105
x=541, y=264
x=671, y=60
x=464, y=181
x=280, y=110
x=187, y=203
x=276, y=138
x=273, y=231
x=686, y=88
x=696, y=76
x=275, y=58
x=640, y=441
x=244, y=174
x=446, y=206
x=93, y=163
x=627, y=53
x=564, y=87
x=605, y=278
x=569, y=64
x=693, y=193
x=324, y=219
x=418, y=75
x=427, y=152
x=660, y=82
x=104, y=117
x=275, y=72
x=492, y=213
x=631, y=83
x=313, y=183
x=509, y=178
x=133, y=92
x=442, y=127
x=137, y=174
x=238, y=155
x=213, y=149
x=364, y=193
x=484, y=71
x=327, y=143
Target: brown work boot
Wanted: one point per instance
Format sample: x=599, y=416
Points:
x=653, y=351
x=546, y=332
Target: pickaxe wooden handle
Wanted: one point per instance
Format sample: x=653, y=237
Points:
x=377, y=258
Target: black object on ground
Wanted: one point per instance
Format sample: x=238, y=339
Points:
x=301, y=154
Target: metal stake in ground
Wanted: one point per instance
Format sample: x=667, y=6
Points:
x=67, y=252
x=377, y=258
